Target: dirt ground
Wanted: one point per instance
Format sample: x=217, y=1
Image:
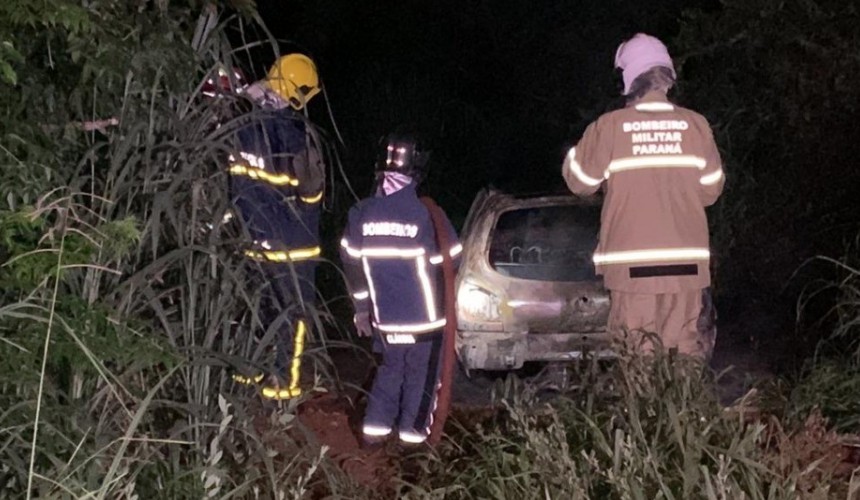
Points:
x=334, y=420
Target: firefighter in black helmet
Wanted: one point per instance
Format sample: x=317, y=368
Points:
x=392, y=263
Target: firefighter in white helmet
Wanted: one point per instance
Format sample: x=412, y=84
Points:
x=659, y=168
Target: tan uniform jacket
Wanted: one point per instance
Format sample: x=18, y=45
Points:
x=661, y=168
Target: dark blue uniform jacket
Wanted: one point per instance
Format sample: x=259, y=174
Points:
x=393, y=263
x=276, y=182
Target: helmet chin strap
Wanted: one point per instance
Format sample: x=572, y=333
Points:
x=392, y=182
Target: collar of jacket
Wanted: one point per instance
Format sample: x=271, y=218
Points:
x=653, y=96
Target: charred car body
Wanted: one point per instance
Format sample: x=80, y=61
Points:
x=526, y=288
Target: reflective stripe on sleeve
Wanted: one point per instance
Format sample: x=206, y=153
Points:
x=361, y=295
x=712, y=178
x=576, y=168
x=351, y=251
x=259, y=174
x=310, y=200
x=295, y=255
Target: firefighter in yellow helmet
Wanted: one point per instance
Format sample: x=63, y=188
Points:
x=277, y=180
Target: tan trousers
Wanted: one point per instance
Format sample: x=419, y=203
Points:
x=677, y=319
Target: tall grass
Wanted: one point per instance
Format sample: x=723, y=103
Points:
x=830, y=381
x=127, y=302
x=644, y=428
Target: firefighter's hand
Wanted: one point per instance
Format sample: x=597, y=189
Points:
x=362, y=324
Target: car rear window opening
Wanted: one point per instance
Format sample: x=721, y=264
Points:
x=549, y=243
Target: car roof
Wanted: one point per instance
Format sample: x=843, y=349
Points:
x=539, y=199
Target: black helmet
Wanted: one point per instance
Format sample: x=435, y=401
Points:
x=404, y=153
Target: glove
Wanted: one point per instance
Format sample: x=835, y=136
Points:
x=362, y=324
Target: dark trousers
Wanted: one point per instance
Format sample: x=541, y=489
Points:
x=287, y=301
x=288, y=290
x=403, y=395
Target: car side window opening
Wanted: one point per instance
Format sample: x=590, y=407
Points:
x=550, y=243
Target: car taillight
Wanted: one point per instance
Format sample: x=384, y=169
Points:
x=477, y=303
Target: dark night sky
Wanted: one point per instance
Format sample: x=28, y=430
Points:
x=504, y=87
x=501, y=87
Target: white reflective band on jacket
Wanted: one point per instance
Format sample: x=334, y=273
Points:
x=576, y=168
x=294, y=255
x=429, y=300
x=418, y=255
x=416, y=327
x=651, y=255
x=665, y=161
x=654, y=106
x=389, y=252
x=431, y=320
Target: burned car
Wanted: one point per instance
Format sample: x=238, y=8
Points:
x=526, y=288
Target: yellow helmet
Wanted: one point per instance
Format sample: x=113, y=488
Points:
x=294, y=78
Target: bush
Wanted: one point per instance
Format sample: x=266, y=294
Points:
x=124, y=298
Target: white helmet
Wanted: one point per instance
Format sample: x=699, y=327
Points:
x=639, y=54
